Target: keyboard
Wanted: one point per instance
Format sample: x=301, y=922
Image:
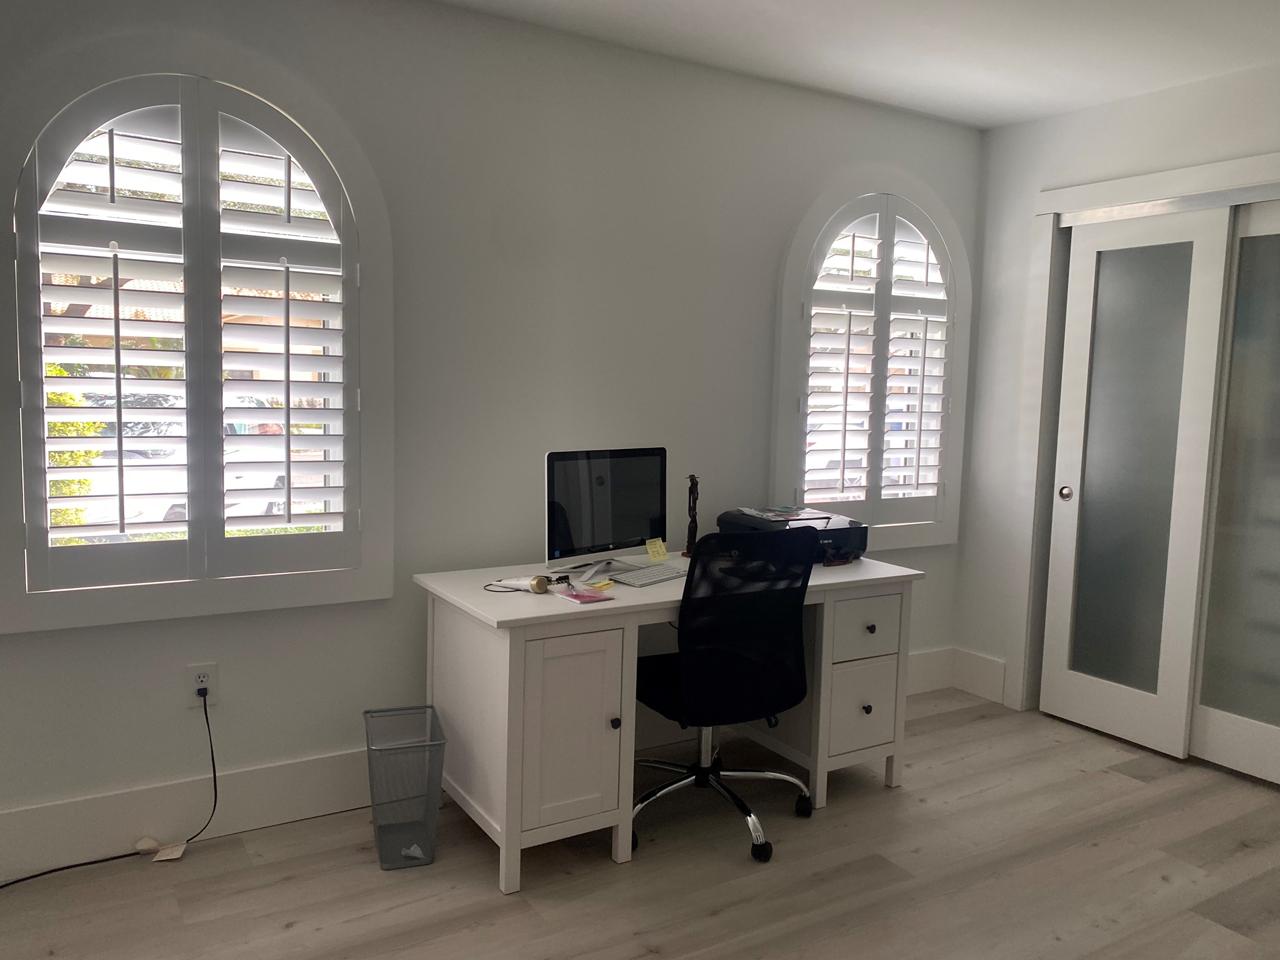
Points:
x=648, y=576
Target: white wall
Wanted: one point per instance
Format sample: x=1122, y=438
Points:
x=586, y=250
x=1218, y=119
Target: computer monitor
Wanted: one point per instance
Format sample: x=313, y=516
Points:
x=604, y=501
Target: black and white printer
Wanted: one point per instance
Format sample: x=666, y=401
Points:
x=840, y=539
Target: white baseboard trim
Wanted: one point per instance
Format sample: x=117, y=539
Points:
x=46, y=835
x=930, y=670
x=966, y=670
x=979, y=674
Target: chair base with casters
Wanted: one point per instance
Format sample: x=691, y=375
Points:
x=708, y=772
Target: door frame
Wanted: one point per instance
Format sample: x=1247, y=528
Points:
x=1222, y=184
x=1160, y=720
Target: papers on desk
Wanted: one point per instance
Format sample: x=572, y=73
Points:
x=580, y=593
x=784, y=513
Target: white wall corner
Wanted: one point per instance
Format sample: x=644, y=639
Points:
x=930, y=670
x=966, y=670
x=978, y=673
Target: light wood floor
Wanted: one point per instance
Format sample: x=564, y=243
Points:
x=1014, y=836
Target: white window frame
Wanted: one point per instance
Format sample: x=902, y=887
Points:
x=234, y=574
x=896, y=523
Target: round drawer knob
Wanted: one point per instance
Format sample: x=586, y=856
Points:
x=871, y=628
x=1065, y=493
x=616, y=723
x=866, y=708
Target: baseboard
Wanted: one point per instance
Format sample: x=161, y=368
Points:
x=930, y=670
x=975, y=673
x=979, y=674
x=46, y=835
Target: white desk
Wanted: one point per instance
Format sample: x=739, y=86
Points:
x=537, y=696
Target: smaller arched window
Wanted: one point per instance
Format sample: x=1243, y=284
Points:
x=187, y=295
x=878, y=317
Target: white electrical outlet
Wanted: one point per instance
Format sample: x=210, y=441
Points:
x=201, y=675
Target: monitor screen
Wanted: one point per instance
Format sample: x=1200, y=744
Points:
x=599, y=500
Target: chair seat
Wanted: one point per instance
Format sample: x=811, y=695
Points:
x=658, y=685
x=741, y=696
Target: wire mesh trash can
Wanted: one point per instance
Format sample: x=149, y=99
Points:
x=406, y=764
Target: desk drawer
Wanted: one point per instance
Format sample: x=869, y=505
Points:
x=867, y=627
x=864, y=699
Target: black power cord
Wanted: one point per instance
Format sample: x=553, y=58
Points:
x=69, y=866
x=203, y=694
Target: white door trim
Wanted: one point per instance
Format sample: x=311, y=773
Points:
x=1221, y=184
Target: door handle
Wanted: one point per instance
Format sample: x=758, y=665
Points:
x=616, y=723
x=1065, y=493
x=866, y=708
x=871, y=628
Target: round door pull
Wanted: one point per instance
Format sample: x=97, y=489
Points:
x=616, y=723
x=871, y=628
x=1065, y=492
x=866, y=708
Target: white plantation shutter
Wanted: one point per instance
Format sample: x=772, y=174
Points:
x=288, y=397
x=876, y=406
x=186, y=295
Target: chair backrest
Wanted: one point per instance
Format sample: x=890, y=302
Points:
x=741, y=627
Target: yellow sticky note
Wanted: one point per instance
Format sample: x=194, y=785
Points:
x=601, y=584
x=657, y=549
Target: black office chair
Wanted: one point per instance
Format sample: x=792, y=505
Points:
x=741, y=657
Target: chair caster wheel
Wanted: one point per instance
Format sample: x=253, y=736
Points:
x=762, y=852
x=635, y=842
x=804, y=806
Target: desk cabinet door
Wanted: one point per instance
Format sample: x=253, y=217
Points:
x=572, y=698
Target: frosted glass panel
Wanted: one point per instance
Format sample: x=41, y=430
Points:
x=1126, y=493
x=1242, y=632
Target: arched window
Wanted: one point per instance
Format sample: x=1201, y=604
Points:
x=879, y=370
x=187, y=296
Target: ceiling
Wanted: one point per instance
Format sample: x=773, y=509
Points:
x=980, y=62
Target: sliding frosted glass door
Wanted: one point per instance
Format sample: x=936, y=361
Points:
x=1144, y=310
x=1237, y=718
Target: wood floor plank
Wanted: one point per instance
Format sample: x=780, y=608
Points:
x=1014, y=837
x=1251, y=908
x=1186, y=936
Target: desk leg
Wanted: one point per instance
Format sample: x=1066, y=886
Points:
x=820, y=697
x=622, y=843
x=509, y=866
x=891, y=776
x=818, y=787
x=627, y=743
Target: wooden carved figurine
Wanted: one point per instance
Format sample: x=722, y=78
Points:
x=693, y=515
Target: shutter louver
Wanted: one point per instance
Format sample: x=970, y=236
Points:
x=113, y=336
x=282, y=343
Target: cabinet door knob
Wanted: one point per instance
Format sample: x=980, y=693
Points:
x=616, y=723
x=866, y=708
x=871, y=628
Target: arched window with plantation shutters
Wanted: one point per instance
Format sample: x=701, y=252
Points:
x=877, y=371
x=187, y=280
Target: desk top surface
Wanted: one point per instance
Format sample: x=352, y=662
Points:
x=465, y=589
